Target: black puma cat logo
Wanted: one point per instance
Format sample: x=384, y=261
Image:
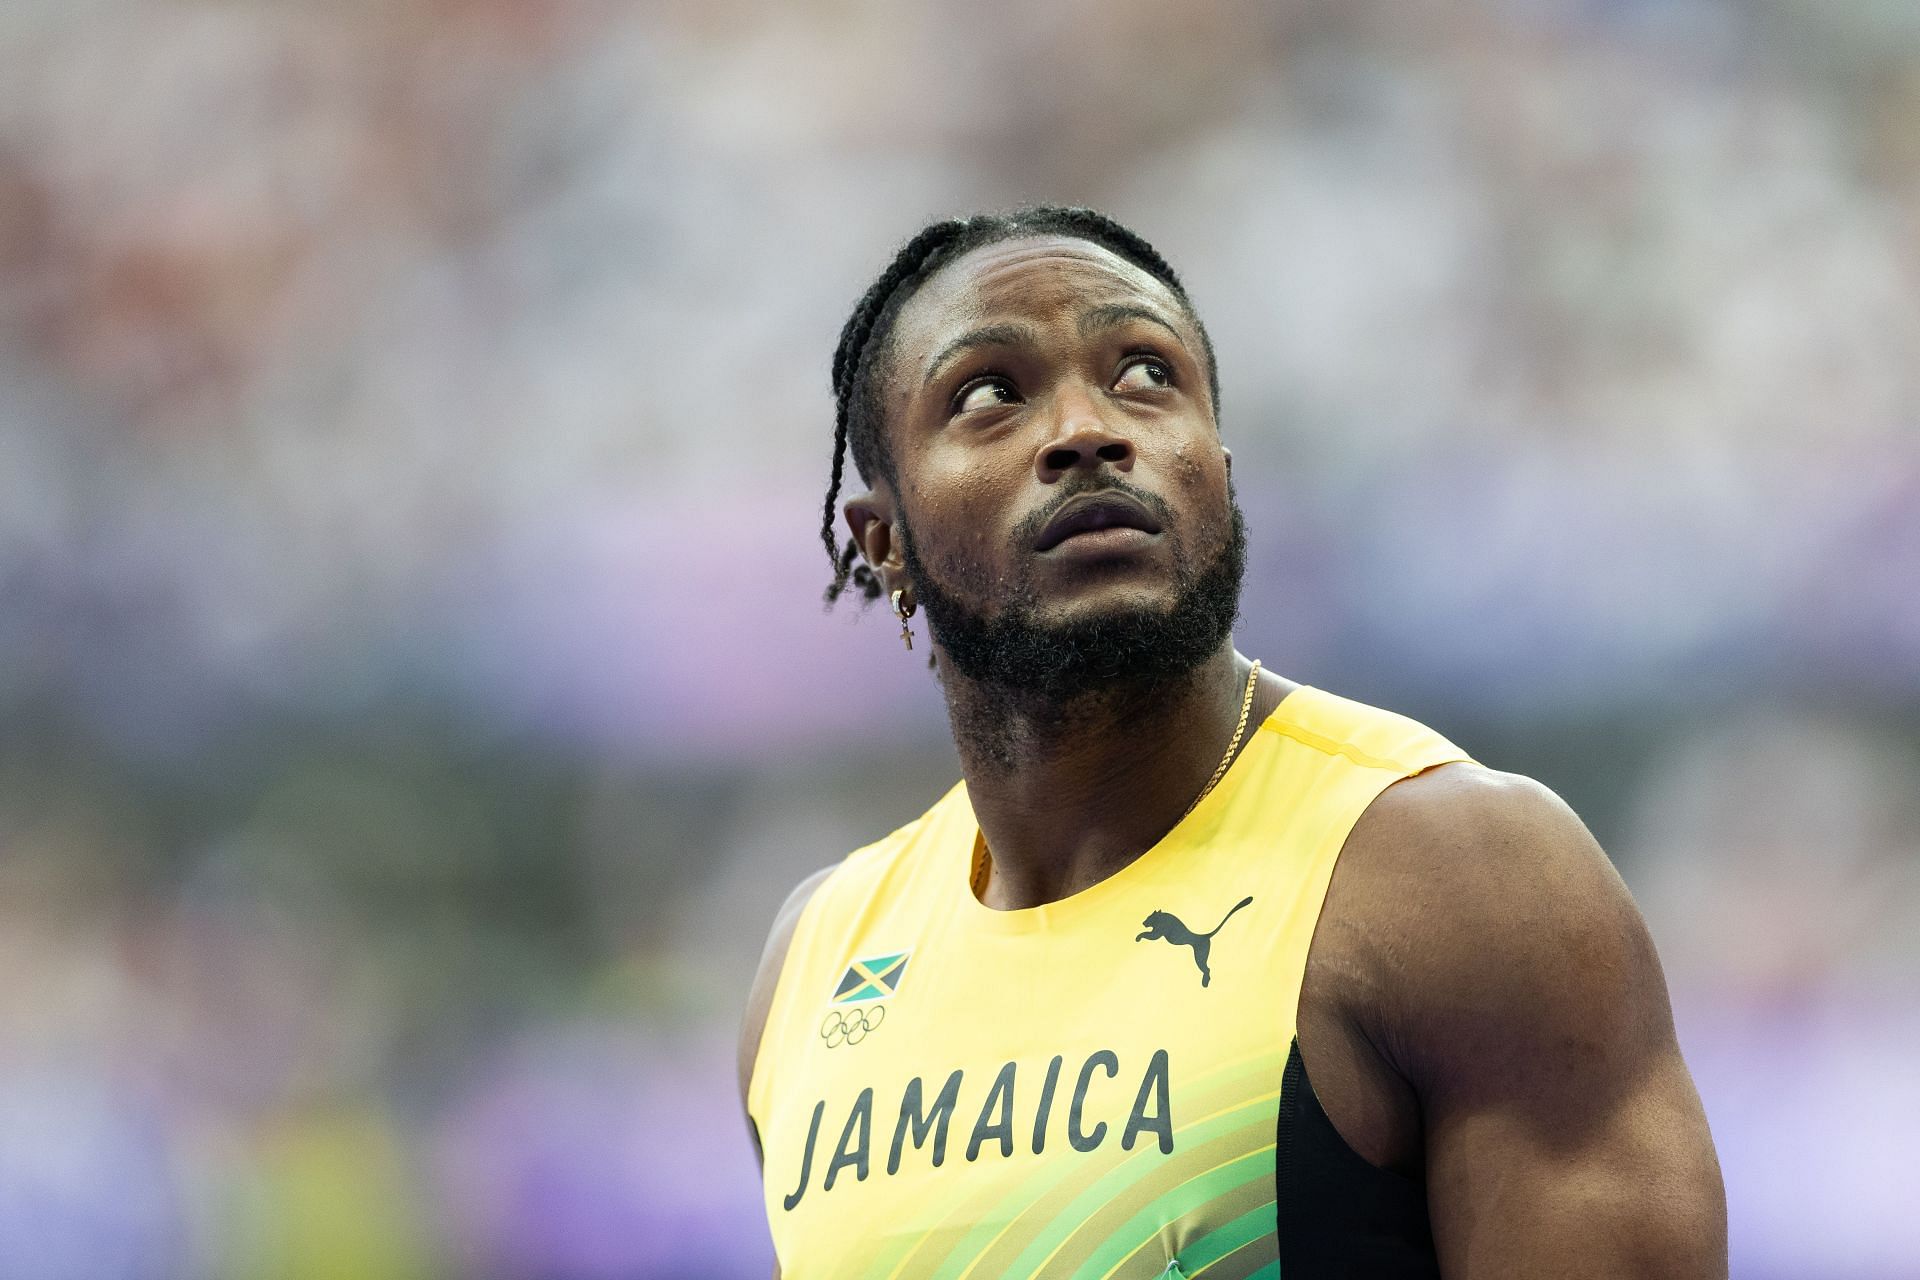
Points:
x=1164, y=924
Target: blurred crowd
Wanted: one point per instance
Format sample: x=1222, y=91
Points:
x=414, y=695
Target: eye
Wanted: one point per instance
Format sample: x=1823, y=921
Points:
x=1144, y=374
x=984, y=393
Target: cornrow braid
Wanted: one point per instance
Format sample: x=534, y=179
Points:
x=856, y=337
x=860, y=357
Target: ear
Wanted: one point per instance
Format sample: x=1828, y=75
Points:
x=1228, y=455
x=870, y=520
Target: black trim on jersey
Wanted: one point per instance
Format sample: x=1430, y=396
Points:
x=1341, y=1215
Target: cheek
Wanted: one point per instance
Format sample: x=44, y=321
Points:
x=969, y=495
x=1197, y=470
x=1196, y=479
x=959, y=511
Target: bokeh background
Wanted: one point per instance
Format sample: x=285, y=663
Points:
x=415, y=698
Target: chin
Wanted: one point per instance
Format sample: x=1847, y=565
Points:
x=1116, y=602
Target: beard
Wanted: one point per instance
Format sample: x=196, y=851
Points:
x=1118, y=652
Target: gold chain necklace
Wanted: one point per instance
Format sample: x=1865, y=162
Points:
x=982, y=862
x=1246, y=705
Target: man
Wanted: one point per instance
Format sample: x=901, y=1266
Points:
x=1199, y=971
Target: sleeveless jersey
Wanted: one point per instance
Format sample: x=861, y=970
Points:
x=1089, y=1088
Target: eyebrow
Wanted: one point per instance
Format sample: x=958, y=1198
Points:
x=1115, y=314
x=993, y=335
x=1110, y=316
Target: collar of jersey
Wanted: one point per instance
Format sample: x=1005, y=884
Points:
x=1147, y=871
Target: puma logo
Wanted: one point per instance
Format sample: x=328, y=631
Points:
x=1164, y=924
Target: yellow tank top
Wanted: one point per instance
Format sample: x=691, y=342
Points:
x=1085, y=1089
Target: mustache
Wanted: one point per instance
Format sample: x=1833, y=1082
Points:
x=1029, y=528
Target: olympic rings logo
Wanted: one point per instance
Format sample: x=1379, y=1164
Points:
x=851, y=1026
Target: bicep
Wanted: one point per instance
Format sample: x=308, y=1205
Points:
x=1547, y=1182
x=1564, y=1135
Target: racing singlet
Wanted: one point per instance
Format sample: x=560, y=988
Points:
x=1088, y=1089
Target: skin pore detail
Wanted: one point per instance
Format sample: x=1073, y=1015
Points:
x=978, y=439
x=1023, y=381
x=861, y=360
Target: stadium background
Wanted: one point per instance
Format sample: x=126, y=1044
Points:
x=414, y=695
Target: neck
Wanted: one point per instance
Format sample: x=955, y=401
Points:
x=1068, y=793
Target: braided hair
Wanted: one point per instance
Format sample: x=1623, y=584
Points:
x=860, y=359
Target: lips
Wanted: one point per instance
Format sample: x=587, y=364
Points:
x=1106, y=510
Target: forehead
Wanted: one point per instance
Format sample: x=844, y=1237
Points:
x=1035, y=279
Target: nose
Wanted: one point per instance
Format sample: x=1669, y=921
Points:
x=1081, y=439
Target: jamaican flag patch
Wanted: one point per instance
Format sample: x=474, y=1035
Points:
x=872, y=979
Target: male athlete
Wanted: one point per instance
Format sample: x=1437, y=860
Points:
x=1200, y=972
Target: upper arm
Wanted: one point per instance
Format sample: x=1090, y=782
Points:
x=766, y=980
x=1563, y=1133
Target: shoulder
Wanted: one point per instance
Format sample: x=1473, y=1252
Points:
x=1368, y=737
x=1495, y=926
x=767, y=978
x=1462, y=818
x=1505, y=975
x=873, y=871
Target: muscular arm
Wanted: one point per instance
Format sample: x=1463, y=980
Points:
x=1527, y=1011
x=760, y=998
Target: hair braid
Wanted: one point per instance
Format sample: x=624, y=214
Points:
x=859, y=428
x=848, y=357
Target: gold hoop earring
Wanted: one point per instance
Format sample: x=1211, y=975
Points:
x=903, y=611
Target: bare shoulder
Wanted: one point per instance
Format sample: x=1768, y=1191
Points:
x=1500, y=912
x=1483, y=851
x=1502, y=970
x=767, y=978
x=1463, y=849
x=1467, y=818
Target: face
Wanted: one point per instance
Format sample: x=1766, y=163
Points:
x=1061, y=505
